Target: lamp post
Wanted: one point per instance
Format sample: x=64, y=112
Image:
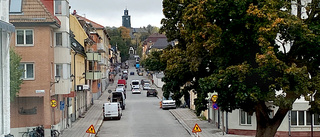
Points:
x=57, y=79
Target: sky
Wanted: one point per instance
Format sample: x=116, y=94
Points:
x=110, y=12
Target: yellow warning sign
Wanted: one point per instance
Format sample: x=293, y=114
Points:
x=196, y=128
x=91, y=130
x=53, y=103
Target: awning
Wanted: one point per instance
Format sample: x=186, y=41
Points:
x=5, y=26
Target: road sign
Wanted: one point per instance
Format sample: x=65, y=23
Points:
x=61, y=105
x=215, y=106
x=196, y=129
x=91, y=130
x=214, y=98
x=53, y=103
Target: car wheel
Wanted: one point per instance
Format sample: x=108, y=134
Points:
x=124, y=107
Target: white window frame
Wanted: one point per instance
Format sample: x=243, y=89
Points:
x=55, y=7
x=24, y=77
x=65, y=71
x=246, y=116
x=56, y=38
x=63, y=9
x=24, y=37
x=305, y=115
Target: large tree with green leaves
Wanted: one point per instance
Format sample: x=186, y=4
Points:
x=252, y=52
x=15, y=74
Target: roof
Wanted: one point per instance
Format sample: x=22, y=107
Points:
x=154, y=37
x=34, y=11
x=94, y=24
x=161, y=43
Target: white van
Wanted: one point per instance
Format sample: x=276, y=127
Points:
x=112, y=110
x=135, y=84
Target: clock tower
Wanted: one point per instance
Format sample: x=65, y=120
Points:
x=126, y=21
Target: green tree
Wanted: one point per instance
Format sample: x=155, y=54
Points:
x=120, y=37
x=15, y=74
x=248, y=51
x=153, y=62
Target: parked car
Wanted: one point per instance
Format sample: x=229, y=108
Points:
x=140, y=73
x=136, y=91
x=146, y=86
x=131, y=73
x=119, y=97
x=168, y=103
x=124, y=76
x=112, y=110
x=122, y=82
x=122, y=89
x=144, y=81
x=152, y=92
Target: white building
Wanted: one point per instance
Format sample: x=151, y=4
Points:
x=6, y=29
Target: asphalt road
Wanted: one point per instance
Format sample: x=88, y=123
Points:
x=142, y=117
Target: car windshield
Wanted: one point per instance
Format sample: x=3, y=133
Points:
x=146, y=84
x=135, y=89
x=135, y=83
x=170, y=98
x=119, y=89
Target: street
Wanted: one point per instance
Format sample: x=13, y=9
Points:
x=142, y=116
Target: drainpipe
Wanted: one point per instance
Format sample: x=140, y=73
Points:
x=74, y=85
x=85, y=81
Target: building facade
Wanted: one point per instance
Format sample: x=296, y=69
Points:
x=45, y=78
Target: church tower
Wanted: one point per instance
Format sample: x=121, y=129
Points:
x=126, y=21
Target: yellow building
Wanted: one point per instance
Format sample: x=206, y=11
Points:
x=81, y=95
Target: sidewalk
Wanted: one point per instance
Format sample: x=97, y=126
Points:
x=187, y=118
x=92, y=117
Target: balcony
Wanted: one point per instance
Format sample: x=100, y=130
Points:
x=101, y=48
x=103, y=61
x=93, y=56
x=93, y=75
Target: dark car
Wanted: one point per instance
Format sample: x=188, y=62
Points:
x=131, y=73
x=124, y=76
x=152, y=92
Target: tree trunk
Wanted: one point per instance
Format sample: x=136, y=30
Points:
x=267, y=127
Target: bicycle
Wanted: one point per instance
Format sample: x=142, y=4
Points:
x=54, y=132
x=32, y=133
x=40, y=130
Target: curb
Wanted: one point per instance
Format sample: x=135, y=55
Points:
x=185, y=126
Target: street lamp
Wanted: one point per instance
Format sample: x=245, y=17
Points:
x=72, y=77
x=57, y=79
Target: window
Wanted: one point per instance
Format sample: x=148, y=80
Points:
x=28, y=70
x=303, y=118
x=63, y=70
x=59, y=39
x=58, y=7
x=15, y=6
x=245, y=118
x=24, y=37
x=59, y=70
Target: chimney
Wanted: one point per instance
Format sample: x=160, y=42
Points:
x=74, y=12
